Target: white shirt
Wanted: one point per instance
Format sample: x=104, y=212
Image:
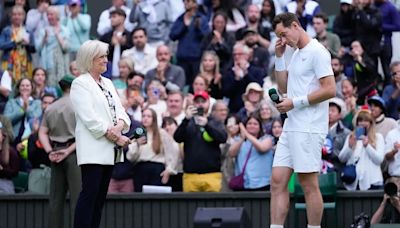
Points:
x=146, y=62
x=6, y=81
x=306, y=67
x=392, y=137
x=104, y=24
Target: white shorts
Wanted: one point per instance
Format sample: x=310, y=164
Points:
x=299, y=151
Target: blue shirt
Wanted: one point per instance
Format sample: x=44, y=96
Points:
x=259, y=166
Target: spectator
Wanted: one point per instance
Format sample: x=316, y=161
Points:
x=388, y=211
x=390, y=24
x=17, y=46
x=220, y=111
x=22, y=110
x=276, y=132
x=383, y=124
x=175, y=108
x=125, y=66
x=330, y=40
x=262, y=33
x=175, y=181
x=252, y=98
x=348, y=92
x=337, y=67
x=122, y=175
x=202, y=136
x=135, y=81
x=236, y=18
x=5, y=89
x=78, y=24
x=37, y=18
x=73, y=70
x=391, y=93
x=259, y=55
x=219, y=40
x=253, y=148
x=267, y=113
x=305, y=11
x=119, y=39
x=156, y=96
x=104, y=24
x=211, y=71
x=337, y=133
x=5, y=14
x=40, y=173
x=172, y=76
x=53, y=43
x=365, y=74
x=57, y=135
x=368, y=28
x=343, y=25
x=142, y=54
x=133, y=104
x=155, y=16
x=189, y=30
x=200, y=84
x=9, y=163
x=269, y=9
x=235, y=81
x=39, y=81
x=156, y=154
x=366, y=152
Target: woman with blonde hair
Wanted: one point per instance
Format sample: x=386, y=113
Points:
x=126, y=66
x=364, y=148
x=155, y=152
x=209, y=69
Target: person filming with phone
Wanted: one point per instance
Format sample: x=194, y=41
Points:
x=202, y=136
x=364, y=148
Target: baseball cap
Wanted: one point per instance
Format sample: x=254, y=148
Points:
x=67, y=79
x=338, y=103
x=202, y=94
x=378, y=101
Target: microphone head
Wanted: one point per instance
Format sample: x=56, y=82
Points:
x=273, y=94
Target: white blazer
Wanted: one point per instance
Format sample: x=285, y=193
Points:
x=93, y=117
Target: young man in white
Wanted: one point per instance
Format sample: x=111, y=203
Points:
x=308, y=82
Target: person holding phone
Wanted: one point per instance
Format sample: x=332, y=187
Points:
x=365, y=148
x=202, y=136
x=156, y=96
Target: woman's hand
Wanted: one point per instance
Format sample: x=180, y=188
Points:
x=352, y=141
x=123, y=141
x=165, y=176
x=243, y=131
x=365, y=140
x=142, y=140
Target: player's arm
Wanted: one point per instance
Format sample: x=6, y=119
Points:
x=281, y=73
x=281, y=79
x=325, y=92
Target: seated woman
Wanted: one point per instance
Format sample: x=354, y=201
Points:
x=366, y=151
x=253, y=154
x=39, y=81
x=9, y=163
x=156, y=154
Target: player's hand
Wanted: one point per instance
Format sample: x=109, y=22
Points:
x=280, y=47
x=285, y=106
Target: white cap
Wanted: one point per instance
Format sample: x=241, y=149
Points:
x=347, y=1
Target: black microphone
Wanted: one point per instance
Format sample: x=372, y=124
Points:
x=273, y=94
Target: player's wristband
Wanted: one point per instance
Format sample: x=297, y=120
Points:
x=280, y=64
x=300, y=102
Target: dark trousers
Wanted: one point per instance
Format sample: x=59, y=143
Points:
x=147, y=173
x=191, y=68
x=386, y=57
x=95, y=181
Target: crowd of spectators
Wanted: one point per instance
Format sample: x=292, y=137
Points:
x=195, y=76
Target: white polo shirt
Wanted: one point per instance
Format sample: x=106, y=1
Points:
x=394, y=165
x=306, y=67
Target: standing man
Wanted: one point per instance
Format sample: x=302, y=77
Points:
x=308, y=82
x=57, y=135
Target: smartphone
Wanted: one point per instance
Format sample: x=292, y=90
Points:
x=200, y=111
x=156, y=92
x=360, y=131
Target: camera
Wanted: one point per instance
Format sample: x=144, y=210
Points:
x=390, y=189
x=360, y=131
x=138, y=132
x=200, y=111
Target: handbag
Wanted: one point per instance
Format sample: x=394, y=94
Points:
x=349, y=174
x=237, y=182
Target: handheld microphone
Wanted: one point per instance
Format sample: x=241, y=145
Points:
x=273, y=94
